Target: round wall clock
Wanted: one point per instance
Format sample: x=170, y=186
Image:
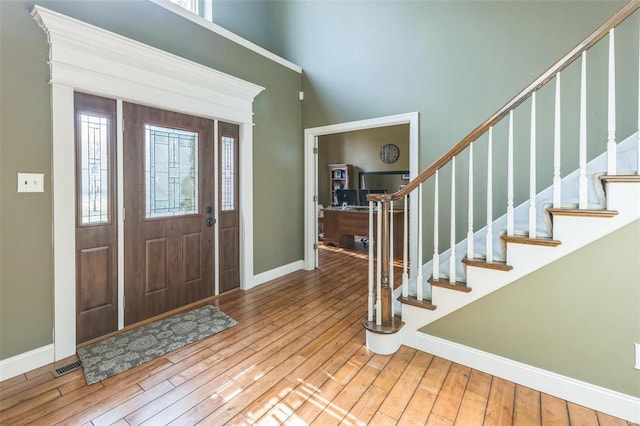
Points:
x=389, y=153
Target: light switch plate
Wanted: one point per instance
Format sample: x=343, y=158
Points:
x=30, y=182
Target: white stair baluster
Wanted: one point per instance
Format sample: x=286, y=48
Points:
x=489, y=237
x=405, y=249
x=510, y=177
x=436, y=236
x=557, y=178
x=638, y=142
x=532, y=170
x=371, y=259
x=452, y=251
x=470, y=248
x=611, y=110
x=582, y=159
x=379, y=265
x=391, y=250
x=419, y=279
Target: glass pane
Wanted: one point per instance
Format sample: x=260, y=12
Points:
x=228, y=173
x=171, y=171
x=190, y=5
x=94, y=168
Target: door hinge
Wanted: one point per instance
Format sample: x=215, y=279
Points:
x=315, y=149
x=124, y=214
x=123, y=303
x=315, y=246
x=315, y=198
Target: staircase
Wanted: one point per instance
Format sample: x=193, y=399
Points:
x=534, y=227
x=614, y=202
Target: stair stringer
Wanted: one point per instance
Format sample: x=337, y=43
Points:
x=574, y=232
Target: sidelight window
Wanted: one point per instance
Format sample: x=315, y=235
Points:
x=94, y=168
x=227, y=175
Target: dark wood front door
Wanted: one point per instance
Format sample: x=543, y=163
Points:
x=169, y=206
x=229, y=209
x=96, y=224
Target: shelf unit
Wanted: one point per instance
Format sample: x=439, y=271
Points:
x=340, y=177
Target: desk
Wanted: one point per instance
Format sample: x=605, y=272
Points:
x=340, y=225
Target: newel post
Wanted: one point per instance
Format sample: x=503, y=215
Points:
x=386, y=292
x=383, y=333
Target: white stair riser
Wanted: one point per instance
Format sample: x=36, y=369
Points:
x=623, y=197
x=578, y=231
x=527, y=258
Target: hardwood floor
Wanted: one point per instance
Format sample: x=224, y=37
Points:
x=297, y=357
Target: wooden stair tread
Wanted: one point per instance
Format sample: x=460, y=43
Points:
x=445, y=283
x=394, y=327
x=521, y=239
x=621, y=178
x=582, y=212
x=413, y=301
x=481, y=263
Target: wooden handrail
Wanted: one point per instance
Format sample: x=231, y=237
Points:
x=536, y=84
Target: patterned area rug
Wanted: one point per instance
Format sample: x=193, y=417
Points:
x=134, y=347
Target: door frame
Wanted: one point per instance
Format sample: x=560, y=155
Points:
x=80, y=61
x=311, y=174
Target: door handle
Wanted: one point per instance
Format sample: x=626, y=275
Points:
x=210, y=222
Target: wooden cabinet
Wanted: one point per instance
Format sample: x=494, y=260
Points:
x=340, y=177
x=340, y=227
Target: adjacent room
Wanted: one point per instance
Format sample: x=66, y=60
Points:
x=350, y=166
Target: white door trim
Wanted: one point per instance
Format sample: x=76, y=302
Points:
x=120, y=211
x=311, y=173
x=89, y=59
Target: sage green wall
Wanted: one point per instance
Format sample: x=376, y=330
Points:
x=26, y=293
x=360, y=148
x=251, y=19
x=576, y=320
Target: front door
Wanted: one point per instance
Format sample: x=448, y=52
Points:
x=169, y=210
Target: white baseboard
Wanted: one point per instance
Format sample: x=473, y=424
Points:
x=27, y=361
x=276, y=273
x=595, y=397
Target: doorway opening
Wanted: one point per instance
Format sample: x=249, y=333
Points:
x=349, y=139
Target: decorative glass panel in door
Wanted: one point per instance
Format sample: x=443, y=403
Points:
x=94, y=168
x=227, y=173
x=171, y=172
